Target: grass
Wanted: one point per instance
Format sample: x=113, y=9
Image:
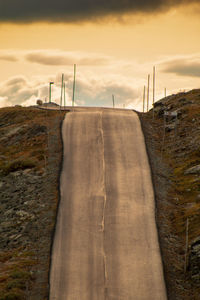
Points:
x=28, y=147
x=25, y=149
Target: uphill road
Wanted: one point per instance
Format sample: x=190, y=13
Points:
x=106, y=243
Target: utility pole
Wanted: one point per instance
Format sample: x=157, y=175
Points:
x=64, y=96
x=61, y=90
x=148, y=93
x=113, y=99
x=50, y=83
x=144, y=92
x=74, y=85
x=154, y=75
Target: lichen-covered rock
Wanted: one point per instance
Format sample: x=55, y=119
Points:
x=193, y=170
x=194, y=261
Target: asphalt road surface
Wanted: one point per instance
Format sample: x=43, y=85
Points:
x=106, y=245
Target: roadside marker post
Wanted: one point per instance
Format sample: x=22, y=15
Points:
x=61, y=96
x=50, y=84
x=113, y=99
x=148, y=93
x=144, y=98
x=74, y=85
x=64, y=96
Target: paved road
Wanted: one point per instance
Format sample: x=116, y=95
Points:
x=106, y=245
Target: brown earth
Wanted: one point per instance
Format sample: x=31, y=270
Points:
x=30, y=159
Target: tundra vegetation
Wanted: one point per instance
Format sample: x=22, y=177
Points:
x=174, y=151
x=30, y=159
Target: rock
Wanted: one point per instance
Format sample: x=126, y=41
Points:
x=170, y=127
x=194, y=260
x=9, y=212
x=6, y=224
x=23, y=215
x=161, y=112
x=193, y=170
x=15, y=174
x=15, y=236
x=184, y=101
x=26, y=171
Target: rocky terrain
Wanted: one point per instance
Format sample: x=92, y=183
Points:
x=30, y=160
x=173, y=144
x=31, y=153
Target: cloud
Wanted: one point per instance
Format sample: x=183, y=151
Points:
x=17, y=90
x=8, y=57
x=89, y=91
x=56, y=58
x=99, y=92
x=79, y=10
x=185, y=66
x=4, y=102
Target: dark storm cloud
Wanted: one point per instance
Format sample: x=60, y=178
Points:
x=183, y=67
x=78, y=10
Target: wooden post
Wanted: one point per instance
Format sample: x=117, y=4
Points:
x=64, y=96
x=113, y=99
x=49, y=92
x=74, y=85
x=144, y=98
x=61, y=90
x=148, y=93
x=50, y=83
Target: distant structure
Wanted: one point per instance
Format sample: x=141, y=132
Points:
x=50, y=104
x=39, y=102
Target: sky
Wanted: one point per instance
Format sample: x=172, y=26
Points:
x=114, y=43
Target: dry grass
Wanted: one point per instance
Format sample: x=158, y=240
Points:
x=23, y=145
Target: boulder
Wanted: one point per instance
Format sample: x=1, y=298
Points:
x=193, y=170
x=194, y=260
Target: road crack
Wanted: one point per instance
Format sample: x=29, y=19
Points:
x=104, y=206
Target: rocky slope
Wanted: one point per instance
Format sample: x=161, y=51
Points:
x=173, y=144
x=30, y=158
x=31, y=152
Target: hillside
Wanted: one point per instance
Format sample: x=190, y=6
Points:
x=174, y=154
x=30, y=159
